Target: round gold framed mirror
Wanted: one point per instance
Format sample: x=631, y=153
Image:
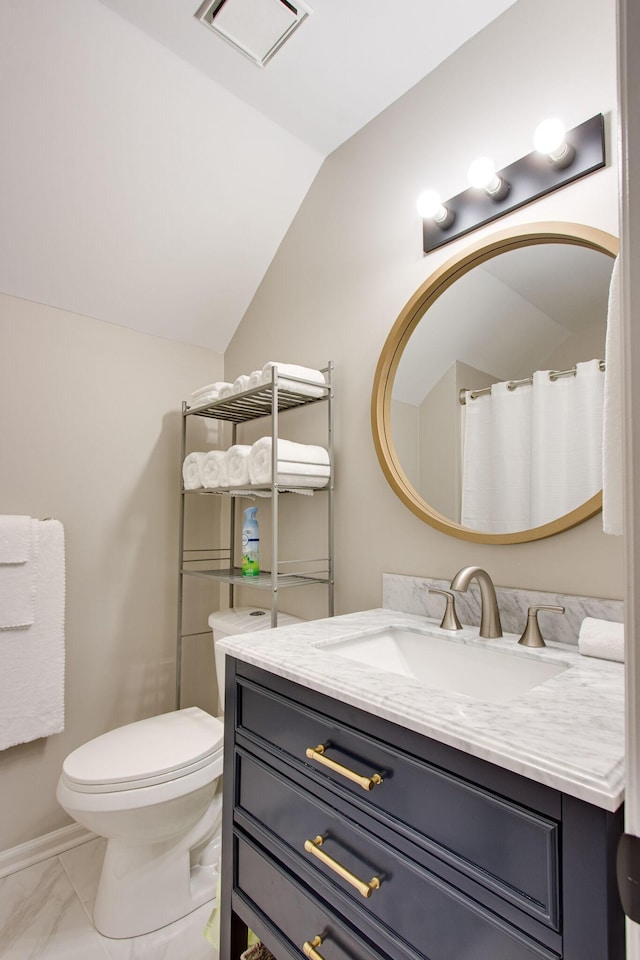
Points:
x=527, y=305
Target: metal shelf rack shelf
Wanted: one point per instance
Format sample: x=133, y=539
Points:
x=268, y=400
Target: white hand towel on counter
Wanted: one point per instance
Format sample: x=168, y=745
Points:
x=18, y=578
x=15, y=539
x=299, y=464
x=238, y=465
x=191, y=470
x=32, y=675
x=213, y=470
x=287, y=371
x=601, y=638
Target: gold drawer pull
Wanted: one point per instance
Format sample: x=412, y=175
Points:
x=308, y=948
x=366, y=889
x=367, y=783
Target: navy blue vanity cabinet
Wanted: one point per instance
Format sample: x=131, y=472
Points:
x=347, y=837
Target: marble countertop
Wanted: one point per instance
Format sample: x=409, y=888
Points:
x=567, y=733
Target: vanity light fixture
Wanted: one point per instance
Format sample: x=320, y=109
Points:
x=559, y=158
x=482, y=175
x=550, y=139
x=431, y=207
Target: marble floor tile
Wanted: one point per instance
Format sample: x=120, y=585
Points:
x=41, y=918
x=45, y=914
x=82, y=866
x=182, y=940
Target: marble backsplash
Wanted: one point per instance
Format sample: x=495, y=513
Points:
x=411, y=595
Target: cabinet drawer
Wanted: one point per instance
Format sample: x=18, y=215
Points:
x=496, y=842
x=298, y=916
x=412, y=904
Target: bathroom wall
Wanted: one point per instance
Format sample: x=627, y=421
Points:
x=353, y=257
x=89, y=420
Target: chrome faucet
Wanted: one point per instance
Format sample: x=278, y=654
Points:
x=490, y=625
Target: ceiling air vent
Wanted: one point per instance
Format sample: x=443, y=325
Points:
x=257, y=28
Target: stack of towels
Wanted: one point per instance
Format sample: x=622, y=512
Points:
x=298, y=465
x=291, y=378
x=601, y=638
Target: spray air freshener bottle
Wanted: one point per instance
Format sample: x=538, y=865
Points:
x=250, y=544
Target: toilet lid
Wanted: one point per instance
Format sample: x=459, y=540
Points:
x=159, y=748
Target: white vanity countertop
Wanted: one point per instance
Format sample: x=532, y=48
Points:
x=567, y=733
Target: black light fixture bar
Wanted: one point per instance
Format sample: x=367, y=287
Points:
x=530, y=178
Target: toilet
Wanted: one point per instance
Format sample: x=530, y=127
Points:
x=153, y=789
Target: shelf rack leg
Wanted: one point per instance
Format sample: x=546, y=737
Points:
x=183, y=446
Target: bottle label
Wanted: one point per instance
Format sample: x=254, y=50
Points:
x=250, y=563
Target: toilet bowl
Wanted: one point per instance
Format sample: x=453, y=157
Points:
x=153, y=789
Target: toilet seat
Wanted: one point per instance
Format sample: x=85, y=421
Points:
x=148, y=752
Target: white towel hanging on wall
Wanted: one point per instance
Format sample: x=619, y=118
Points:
x=33, y=659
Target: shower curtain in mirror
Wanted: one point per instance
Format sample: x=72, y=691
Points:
x=533, y=453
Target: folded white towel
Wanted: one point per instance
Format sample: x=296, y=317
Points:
x=241, y=383
x=15, y=539
x=32, y=675
x=299, y=464
x=601, y=638
x=191, y=470
x=18, y=581
x=210, y=397
x=213, y=470
x=209, y=390
x=290, y=373
x=238, y=465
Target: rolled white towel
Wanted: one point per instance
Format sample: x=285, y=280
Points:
x=191, y=470
x=601, y=638
x=299, y=464
x=225, y=391
x=255, y=379
x=288, y=374
x=210, y=390
x=241, y=383
x=237, y=460
x=213, y=471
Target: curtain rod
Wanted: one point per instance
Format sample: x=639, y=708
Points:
x=512, y=384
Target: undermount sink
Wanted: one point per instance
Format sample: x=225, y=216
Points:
x=471, y=668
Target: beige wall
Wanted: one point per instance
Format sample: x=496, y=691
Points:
x=89, y=420
x=352, y=258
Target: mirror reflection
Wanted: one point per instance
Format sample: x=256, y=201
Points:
x=496, y=404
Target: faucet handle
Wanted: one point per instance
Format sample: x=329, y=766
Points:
x=450, y=619
x=532, y=636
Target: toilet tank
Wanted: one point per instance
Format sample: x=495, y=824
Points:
x=226, y=623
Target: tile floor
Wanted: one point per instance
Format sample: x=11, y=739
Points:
x=45, y=914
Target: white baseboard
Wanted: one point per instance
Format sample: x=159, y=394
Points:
x=51, y=844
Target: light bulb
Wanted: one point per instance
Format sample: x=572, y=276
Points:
x=482, y=175
x=549, y=139
x=429, y=204
x=431, y=207
x=549, y=135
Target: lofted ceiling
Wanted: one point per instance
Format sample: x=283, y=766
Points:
x=150, y=171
